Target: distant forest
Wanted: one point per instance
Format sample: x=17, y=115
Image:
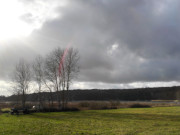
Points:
x=140, y=94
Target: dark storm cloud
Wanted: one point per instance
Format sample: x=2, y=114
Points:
x=146, y=32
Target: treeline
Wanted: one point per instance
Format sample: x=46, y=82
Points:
x=143, y=94
x=2, y=98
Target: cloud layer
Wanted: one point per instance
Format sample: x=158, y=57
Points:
x=119, y=41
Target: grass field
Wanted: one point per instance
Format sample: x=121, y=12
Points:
x=127, y=121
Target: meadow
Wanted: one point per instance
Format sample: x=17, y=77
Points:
x=125, y=121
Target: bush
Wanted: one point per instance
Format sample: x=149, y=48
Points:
x=139, y=106
x=98, y=105
x=84, y=104
x=70, y=109
x=58, y=110
x=114, y=104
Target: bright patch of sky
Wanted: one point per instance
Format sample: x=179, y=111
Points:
x=112, y=48
x=18, y=19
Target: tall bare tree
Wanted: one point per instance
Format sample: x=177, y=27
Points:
x=53, y=80
x=38, y=67
x=71, y=67
x=22, y=76
x=61, y=67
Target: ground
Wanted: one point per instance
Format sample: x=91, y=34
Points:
x=126, y=121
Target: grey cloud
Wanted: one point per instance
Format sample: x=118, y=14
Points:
x=147, y=33
x=10, y=54
x=135, y=26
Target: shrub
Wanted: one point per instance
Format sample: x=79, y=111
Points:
x=98, y=105
x=114, y=104
x=70, y=109
x=58, y=110
x=139, y=106
x=84, y=104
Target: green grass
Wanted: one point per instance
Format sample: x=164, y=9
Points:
x=129, y=121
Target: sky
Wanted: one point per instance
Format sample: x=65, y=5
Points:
x=121, y=43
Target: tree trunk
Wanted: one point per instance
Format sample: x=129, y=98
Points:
x=23, y=100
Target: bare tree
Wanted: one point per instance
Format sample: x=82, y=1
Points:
x=38, y=65
x=68, y=69
x=53, y=80
x=71, y=67
x=61, y=67
x=22, y=76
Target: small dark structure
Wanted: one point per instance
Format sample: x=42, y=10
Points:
x=16, y=111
